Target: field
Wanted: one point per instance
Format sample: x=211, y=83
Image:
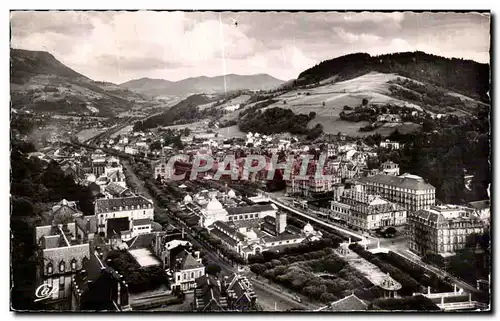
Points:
x=372, y=86
x=89, y=133
x=125, y=130
x=231, y=132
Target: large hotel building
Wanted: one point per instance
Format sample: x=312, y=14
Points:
x=408, y=191
x=442, y=229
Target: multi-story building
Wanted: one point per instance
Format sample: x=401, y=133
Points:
x=389, y=144
x=182, y=264
x=367, y=212
x=311, y=186
x=408, y=191
x=234, y=293
x=125, y=216
x=99, y=288
x=389, y=168
x=63, y=251
x=163, y=171
x=442, y=229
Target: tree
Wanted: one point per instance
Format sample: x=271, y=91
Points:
x=428, y=125
x=390, y=231
x=364, y=102
x=213, y=269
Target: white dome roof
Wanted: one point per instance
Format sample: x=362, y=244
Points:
x=188, y=199
x=231, y=194
x=214, y=205
x=308, y=228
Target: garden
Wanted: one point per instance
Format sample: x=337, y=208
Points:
x=314, y=270
x=412, y=277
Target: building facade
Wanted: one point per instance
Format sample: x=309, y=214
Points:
x=366, y=212
x=408, y=191
x=128, y=216
x=442, y=229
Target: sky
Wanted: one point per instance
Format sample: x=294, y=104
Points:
x=119, y=46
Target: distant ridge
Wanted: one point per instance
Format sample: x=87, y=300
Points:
x=202, y=84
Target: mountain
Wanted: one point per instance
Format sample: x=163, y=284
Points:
x=183, y=112
x=203, y=84
x=41, y=83
x=349, y=93
x=463, y=76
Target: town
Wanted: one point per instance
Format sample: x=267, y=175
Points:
x=221, y=245
x=360, y=184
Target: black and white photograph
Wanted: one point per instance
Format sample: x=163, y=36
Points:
x=199, y=161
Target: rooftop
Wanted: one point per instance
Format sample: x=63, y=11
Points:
x=123, y=203
x=250, y=209
x=349, y=303
x=406, y=181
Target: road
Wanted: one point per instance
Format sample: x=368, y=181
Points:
x=266, y=295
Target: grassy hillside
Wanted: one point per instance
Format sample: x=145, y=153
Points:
x=463, y=76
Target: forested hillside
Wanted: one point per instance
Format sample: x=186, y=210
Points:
x=463, y=76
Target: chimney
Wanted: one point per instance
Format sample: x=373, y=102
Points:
x=280, y=222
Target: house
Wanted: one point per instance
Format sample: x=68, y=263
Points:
x=482, y=208
x=186, y=267
x=389, y=168
x=389, y=144
x=115, y=190
x=234, y=293
x=391, y=118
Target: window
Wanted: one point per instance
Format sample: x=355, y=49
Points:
x=84, y=262
x=192, y=275
x=178, y=277
x=49, y=268
x=183, y=276
x=62, y=266
x=73, y=265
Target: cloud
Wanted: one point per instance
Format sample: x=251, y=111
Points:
x=350, y=37
x=118, y=46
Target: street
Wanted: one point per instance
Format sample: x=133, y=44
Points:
x=266, y=296
x=397, y=245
